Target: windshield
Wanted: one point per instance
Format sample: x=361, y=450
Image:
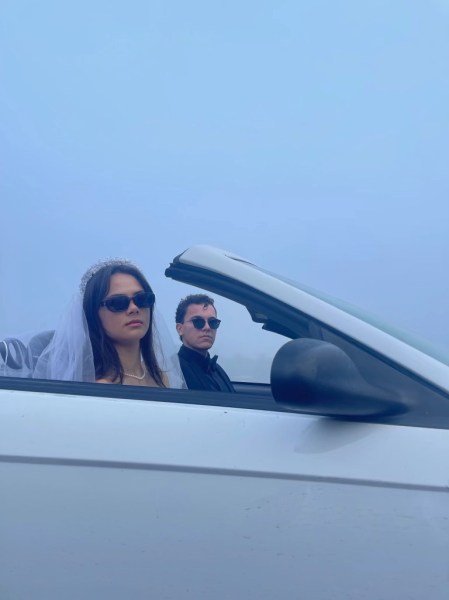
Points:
x=409, y=338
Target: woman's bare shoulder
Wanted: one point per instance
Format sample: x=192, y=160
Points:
x=103, y=381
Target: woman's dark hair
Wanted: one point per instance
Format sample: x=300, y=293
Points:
x=106, y=358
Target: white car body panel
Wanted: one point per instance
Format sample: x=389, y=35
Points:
x=154, y=501
x=335, y=450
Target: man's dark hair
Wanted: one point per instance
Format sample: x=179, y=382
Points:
x=192, y=299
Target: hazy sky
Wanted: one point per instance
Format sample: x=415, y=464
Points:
x=310, y=137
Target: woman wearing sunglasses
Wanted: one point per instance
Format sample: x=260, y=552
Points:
x=118, y=303
x=109, y=333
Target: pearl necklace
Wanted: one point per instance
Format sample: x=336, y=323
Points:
x=138, y=377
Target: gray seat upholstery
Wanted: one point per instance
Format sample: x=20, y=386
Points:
x=19, y=356
x=14, y=352
x=37, y=345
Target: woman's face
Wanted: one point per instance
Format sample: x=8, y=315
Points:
x=129, y=326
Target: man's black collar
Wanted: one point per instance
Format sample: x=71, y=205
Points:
x=207, y=363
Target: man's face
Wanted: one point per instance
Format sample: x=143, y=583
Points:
x=197, y=339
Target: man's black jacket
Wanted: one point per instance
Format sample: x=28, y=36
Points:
x=202, y=372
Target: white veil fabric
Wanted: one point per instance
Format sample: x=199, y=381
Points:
x=65, y=354
x=68, y=355
x=166, y=352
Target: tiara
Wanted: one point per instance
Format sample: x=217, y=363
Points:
x=108, y=262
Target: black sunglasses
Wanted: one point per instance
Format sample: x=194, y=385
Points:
x=200, y=322
x=120, y=303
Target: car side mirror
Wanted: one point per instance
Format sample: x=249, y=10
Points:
x=317, y=377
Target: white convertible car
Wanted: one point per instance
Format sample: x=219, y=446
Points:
x=330, y=483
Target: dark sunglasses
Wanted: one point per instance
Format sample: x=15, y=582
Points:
x=120, y=303
x=200, y=322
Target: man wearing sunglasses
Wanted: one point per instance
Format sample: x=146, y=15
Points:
x=197, y=324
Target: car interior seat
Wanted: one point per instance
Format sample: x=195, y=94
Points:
x=37, y=345
x=14, y=353
x=18, y=356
